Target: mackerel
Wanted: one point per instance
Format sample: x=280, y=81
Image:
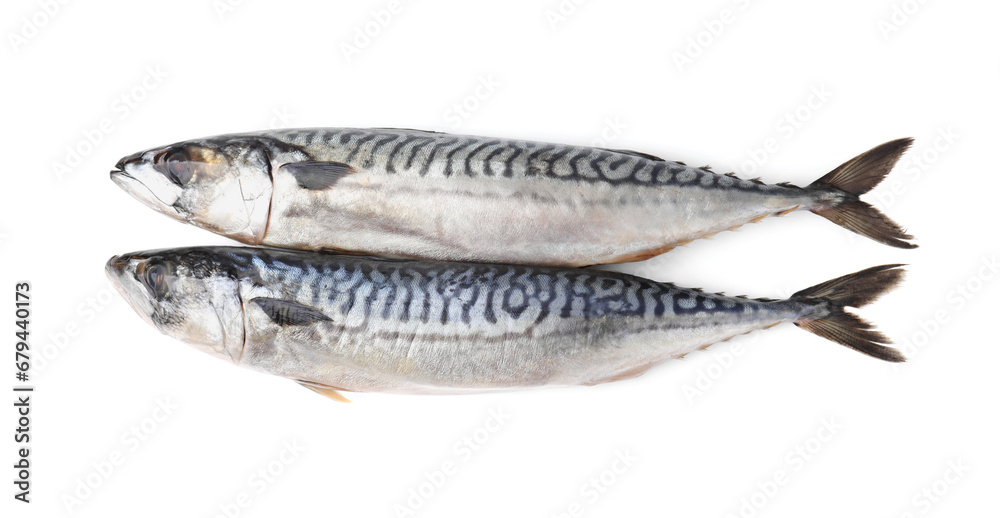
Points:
x=420, y=194
x=347, y=323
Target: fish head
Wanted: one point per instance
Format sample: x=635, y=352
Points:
x=219, y=184
x=189, y=297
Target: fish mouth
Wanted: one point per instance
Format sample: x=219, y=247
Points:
x=134, y=157
x=130, y=174
x=129, y=183
x=119, y=169
x=142, y=192
x=117, y=270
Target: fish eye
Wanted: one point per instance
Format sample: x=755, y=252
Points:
x=178, y=167
x=155, y=278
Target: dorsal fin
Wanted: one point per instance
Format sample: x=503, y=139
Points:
x=640, y=154
x=414, y=130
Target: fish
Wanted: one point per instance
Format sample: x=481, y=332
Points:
x=415, y=194
x=336, y=323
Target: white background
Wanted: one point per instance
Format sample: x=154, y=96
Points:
x=610, y=70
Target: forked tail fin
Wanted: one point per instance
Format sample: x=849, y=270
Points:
x=832, y=322
x=854, y=178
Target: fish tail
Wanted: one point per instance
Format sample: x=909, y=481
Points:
x=832, y=322
x=837, y=194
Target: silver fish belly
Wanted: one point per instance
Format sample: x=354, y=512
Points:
x=365, y=324
x=420, y=194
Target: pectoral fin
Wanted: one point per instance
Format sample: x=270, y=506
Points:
x=324, y=390
x=289, y=313
x=317, y=175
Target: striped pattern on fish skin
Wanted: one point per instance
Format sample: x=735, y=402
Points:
x=432, y=195
x=424, y=153
x=420, y=194
x=366, y=324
